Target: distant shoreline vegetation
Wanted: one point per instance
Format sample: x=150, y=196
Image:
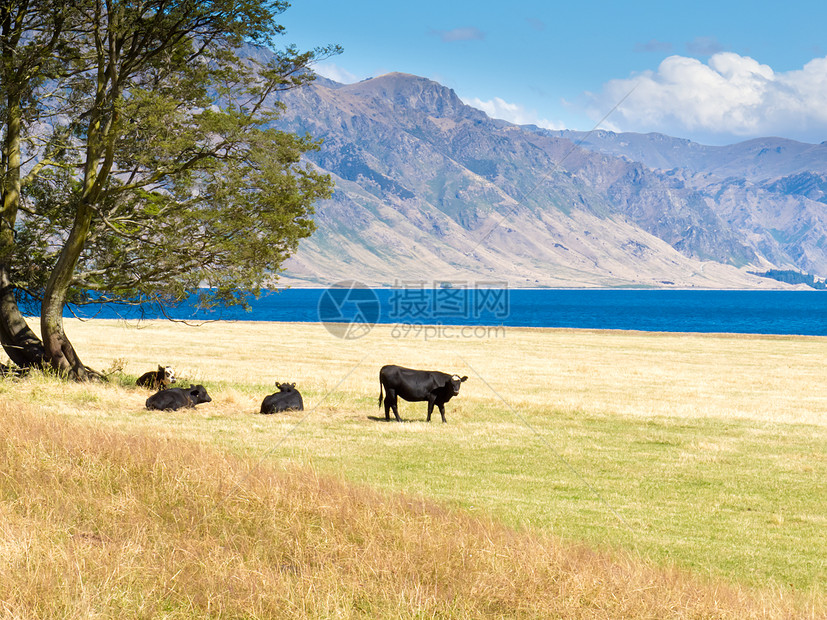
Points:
x=790, y=276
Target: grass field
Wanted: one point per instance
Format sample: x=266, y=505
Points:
x=708, y=453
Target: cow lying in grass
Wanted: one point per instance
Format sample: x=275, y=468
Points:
x=288, y=397
x=157, y=379
x=177, y=398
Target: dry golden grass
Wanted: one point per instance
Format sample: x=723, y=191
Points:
x=771, y=379
x=99, y=523
x=711, y=447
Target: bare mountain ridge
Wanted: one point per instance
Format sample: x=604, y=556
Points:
x=429, y=189
x=759, y=160
x=766, y=187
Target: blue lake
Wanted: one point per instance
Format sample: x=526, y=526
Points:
x=757, y=312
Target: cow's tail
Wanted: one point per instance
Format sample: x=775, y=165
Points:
x=380, y=392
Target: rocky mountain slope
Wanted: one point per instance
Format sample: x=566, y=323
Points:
x=758, y=160
x=429, y=189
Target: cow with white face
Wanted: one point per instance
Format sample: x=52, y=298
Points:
x=157, y=379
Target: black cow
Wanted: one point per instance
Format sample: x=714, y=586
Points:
x=288, y=397
x=417, y=385
x=176, y=398
x=157, y=379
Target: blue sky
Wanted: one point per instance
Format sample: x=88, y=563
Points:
x=715, y=72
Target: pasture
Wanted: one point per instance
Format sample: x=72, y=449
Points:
x=708, y=453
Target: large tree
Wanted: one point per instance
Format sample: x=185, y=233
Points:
x=33, y=52
x=167, y=176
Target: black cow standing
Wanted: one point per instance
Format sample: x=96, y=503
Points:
x=288, y=397
x=157, y=379
x=176, y=398
x=417, y=385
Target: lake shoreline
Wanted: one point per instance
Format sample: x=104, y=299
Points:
x=681, y=311
x=140, y=323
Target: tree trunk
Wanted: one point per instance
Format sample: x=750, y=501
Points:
x=100, y=150
x=18, y=340
x=59, y=350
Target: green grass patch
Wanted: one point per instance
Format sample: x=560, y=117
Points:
x=721, y=497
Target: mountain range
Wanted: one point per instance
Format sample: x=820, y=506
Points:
x=431, y=190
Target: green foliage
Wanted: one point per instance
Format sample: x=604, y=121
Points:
x=793, y=277
x=164, y=138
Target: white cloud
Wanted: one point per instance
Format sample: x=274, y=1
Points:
x=460, y=34
x=730, y=96
x=653, y=45
x=512, y=112
x=335, y=73
x=704, y=46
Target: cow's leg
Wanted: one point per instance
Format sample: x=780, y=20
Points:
x=442, y=412
x=391, y=402
x=430, y=408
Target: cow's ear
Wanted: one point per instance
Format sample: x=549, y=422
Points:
x=463, y=379
x=278, y=385
x=293, y=385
